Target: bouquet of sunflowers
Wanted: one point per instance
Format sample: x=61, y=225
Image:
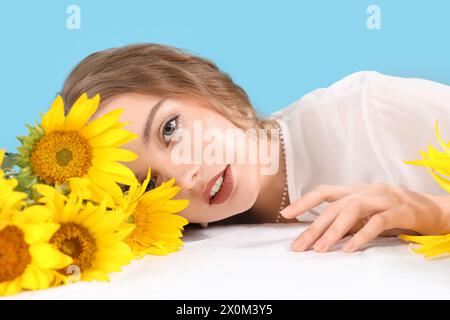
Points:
x=63, y=214
x=438, y=165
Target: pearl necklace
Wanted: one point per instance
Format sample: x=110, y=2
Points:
x=285, y=189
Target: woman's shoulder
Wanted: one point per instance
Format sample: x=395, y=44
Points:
x=360, y=89
x=351, y=85
x=357, y=79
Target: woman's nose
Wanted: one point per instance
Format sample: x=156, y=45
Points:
x=188, y=177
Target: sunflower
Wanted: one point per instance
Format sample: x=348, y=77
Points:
x=27, y=260
x=157, y=227
x=65, y=147
x=429, y=246
x=436, y=161
x=89, y=233
x=438, y=165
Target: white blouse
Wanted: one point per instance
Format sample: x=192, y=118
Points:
x=359, y=130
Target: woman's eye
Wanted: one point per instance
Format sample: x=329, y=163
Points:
x=169, y=128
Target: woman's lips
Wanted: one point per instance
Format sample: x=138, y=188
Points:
x=224, y=191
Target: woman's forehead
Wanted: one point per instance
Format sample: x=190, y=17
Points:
x=131, y=103
x=134, y=104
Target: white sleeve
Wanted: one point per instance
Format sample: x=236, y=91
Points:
x=360, y=129
x=400, y=115
x=327, y=141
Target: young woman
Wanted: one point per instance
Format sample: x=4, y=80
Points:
x=343, y=145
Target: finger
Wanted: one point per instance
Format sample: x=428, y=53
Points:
x=318, y=226
x=353, y=210
x=328, y=193
x=375, y=226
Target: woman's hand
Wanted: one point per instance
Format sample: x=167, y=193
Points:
x=373, y=209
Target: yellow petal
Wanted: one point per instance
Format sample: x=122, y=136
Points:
x=10, y=287
x=111, y=238
x=119, y=172
x=35, y=233
x=444, y=183
x=418, y=239
x=114, y=154
x=2, y=156
x=54, y=118
x=105, y=183
x=82, y=110
x=112, y=138
x=46, y=256
x=34, y=278
x=35, y=214
x=101, y=124
x=442, y=143
x=80, y=187
x=99, y=194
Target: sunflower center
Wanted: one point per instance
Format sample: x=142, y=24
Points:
x=61, y=155
x=75, y=241
x=140, y=237
x=131, y=219
x=14, y=254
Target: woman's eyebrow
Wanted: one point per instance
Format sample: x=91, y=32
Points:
x=148, y=122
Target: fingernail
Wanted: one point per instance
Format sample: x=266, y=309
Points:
x=349, y=245
x=299, y=244
x=284, y=211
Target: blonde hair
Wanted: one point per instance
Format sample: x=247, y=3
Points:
x=162, y=71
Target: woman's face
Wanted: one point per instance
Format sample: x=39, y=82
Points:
x=168, y=129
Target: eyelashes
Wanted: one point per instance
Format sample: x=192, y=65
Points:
x=169, y=127
x=152, y=183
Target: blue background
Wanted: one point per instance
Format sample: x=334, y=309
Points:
x=277, y=51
